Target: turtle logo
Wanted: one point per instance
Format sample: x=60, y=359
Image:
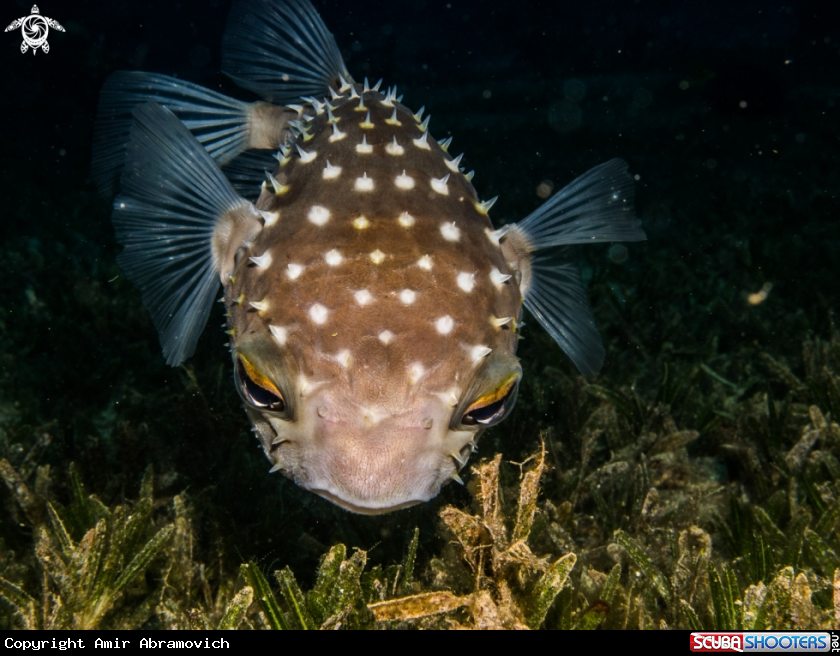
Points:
x=35, y=29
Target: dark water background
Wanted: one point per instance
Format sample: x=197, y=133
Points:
x=726, y=111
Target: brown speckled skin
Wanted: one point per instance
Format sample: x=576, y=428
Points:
x=355, y=429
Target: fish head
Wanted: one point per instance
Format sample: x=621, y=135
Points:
x=374, y=334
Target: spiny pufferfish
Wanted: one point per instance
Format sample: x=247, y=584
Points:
x=373, y=309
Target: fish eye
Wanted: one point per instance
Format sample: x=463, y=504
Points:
x=256, y=388
x=492, y=408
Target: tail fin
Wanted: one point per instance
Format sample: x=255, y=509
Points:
x=173, y=199
x=281, y=50
x=596, y=207
x=223, y=125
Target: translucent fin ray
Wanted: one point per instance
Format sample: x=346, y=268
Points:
x=218, y=122
x=172, y=196
x=597, y=206
x=247, y=172
x=557, y=300
x=281, y=50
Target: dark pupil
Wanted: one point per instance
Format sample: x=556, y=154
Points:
x=486, y=414
x=260, y=396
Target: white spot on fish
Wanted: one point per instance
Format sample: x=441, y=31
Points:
x=450, y=231
x=343, y=358
x=331, y=172
x=364, y=148
x=280, y=334
x=386, y=337
x=263, y=261
x=497, y=277
x=333, y=257
x=479, y=351
x=466, y=281
x=364, y=183
x=294, y=270
x=415, y=372
x=408, y=296
x=318, y=313
x=394, y=148
x=440, y=186
x=404, y=181
x=363, y=297
x=425, y=262
x=318, y=214
x=377, y=257
x=444, y=325
x=269, y=218
x=361, y=223
x=406, y=220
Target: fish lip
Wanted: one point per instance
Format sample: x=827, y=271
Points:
x=364, y=510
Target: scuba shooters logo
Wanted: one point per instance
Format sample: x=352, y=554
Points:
x=34, y=29
x=760, y=641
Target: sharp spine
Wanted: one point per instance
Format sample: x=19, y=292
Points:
x=377, y=85
x=444, y=144
x=419, y=115
x=425, y=124
x=278, y=188
x=469, y=176
x=485, y=205
x=387, y=100
x=452, y=164
x=305, y=157
x=345, y=85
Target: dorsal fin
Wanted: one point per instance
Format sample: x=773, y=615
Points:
x=281, y=50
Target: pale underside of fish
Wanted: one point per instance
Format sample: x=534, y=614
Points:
x=373, y=309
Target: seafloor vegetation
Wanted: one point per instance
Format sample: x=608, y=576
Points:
x=694, y=483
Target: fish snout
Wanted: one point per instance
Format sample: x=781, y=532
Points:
x=374, y=460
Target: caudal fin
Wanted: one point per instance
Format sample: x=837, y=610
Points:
x=596, y=207
x=281, y=50
x=226, y=127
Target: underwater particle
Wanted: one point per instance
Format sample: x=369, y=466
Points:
x=545, y=188
x=800, y=137
x=684, y=84
x=486, y=94
x=757, y=298
x=711, y=163
x=618, y=253
x=742, y=104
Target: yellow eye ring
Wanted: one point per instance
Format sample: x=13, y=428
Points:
x=498, y=397
x=257, y=388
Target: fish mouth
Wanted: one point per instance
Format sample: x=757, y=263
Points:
x=364, y=510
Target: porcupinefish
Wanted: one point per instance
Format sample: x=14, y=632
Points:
x=373, y=308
